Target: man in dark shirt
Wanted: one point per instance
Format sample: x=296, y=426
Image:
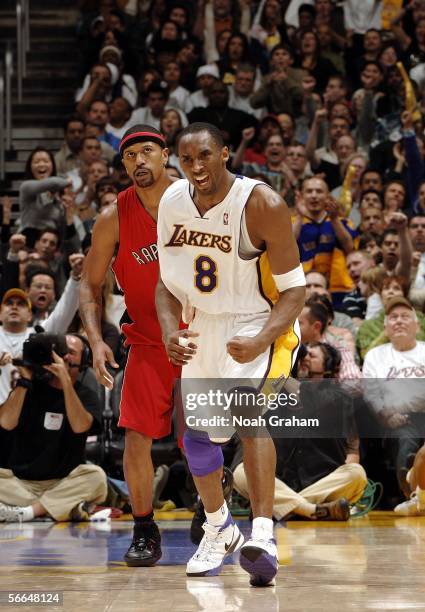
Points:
x=354, y=304
x=50, y=420
x=230, y=121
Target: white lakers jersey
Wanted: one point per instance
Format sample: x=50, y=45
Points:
x=199, y=255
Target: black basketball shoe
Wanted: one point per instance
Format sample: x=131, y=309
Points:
x=199, y=518
x=145, y=549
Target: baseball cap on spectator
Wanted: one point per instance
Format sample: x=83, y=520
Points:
x=397, y=301
x=112, y=49
x=209, y=69
x=97, y=20
x=19, y=293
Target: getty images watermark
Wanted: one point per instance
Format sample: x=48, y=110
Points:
x=239, y=407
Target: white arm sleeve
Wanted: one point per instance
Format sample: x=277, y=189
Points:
x=293, y=278
x=64, y=311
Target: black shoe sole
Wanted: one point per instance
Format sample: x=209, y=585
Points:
x=142, y=562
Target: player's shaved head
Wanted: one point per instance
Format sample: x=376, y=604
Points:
x=199, y=128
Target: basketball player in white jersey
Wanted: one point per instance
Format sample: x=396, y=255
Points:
x=230, y=264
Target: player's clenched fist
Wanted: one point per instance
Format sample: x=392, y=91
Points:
x=243, y=349
x=179, y=347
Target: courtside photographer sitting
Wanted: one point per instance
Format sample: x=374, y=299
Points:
x=51, y=412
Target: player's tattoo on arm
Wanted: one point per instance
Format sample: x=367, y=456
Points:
x=91, y=309
x=89, y=319
x=97, y=301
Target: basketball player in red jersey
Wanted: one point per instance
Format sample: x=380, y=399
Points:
x=146, y=400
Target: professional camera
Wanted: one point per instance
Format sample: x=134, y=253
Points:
x=37, y=349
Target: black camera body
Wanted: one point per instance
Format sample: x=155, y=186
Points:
x=37, y=349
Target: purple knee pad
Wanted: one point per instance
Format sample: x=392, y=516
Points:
x=202, y=455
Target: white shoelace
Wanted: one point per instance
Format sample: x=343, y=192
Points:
x=208, y=541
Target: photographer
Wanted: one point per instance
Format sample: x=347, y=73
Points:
x=16, y=316
x=51, y=413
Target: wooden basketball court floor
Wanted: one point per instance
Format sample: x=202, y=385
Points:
x=371, y=563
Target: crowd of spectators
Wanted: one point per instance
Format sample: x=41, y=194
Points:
x=322, y=100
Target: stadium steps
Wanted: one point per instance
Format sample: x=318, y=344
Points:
x=48, y=89
x=24, y=140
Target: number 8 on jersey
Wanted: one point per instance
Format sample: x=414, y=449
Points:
x=205, y=274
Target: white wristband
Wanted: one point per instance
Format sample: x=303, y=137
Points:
x=293, y=278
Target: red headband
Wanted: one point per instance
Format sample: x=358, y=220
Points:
x=144, y=136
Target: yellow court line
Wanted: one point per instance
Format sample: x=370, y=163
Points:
x=49, y=571
x=284, y=554
x=15, y=539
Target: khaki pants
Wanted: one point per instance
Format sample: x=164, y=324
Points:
x=86, y=483
x=348, y=480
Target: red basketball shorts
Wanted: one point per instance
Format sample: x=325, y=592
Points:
x=147, y=391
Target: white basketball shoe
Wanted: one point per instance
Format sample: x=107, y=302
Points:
x=217, y=543
x=410, y=507
x=258, y=557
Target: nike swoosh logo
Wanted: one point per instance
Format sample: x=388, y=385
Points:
x=232, y=546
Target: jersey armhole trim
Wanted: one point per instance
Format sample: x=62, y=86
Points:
x=259, y=252
x=260, y=286
x=117, y=244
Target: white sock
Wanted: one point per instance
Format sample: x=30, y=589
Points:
x=219, y=517
x=27, y=513
x=263, y=524
x=420, y=494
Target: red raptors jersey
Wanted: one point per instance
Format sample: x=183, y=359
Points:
x=136, y=269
